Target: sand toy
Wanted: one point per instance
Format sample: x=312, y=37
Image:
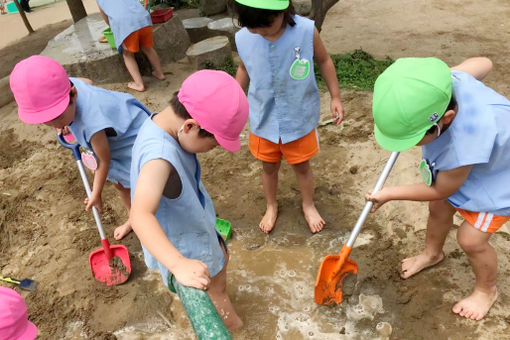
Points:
x=202, y=314
x=335, y=268
x=25, y=284
x=109, y=264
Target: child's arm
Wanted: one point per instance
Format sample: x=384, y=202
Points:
x=447, y=183
x=103, y=14
x=328, y=72
x=242, y=76
x=478, y=67
x=149, y=189
x=101, y=149
x=87, y=80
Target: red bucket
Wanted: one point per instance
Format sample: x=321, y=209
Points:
x=161, y=15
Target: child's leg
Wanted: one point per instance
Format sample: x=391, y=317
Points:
x=270, y=185
x=484, y=261
x=218, y=293
x=125, y=228
x=439, y=223
x=153, y=57
x=305, y=180
x=134, y=71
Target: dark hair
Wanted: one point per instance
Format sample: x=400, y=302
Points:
x=451, y=106
x=251, y=17
x=181, y=112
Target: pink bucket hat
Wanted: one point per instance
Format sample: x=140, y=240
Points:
x=41, y=88
x=14, y=324
x=218, y=103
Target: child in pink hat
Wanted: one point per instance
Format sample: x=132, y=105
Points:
x=14, y=324
x=172, y=214
x=105, y=123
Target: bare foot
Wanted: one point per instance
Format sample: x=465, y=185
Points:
x=159, y=75
x=122, y=231
x=232, y=322
x=268, y=221
x=415, y=264
x=313, y=218
x=136, y=87
x=476, y=305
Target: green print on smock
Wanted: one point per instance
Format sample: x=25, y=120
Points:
x=425, y=172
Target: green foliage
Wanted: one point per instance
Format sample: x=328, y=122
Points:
x=228, y=65
x=357, y=70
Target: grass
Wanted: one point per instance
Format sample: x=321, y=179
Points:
x=357, y=70
x=228, y=66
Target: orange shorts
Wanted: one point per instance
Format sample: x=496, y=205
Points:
x=486, y=222
x=298, y=151
x=141, y=37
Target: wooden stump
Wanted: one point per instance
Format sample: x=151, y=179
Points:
x=227, y=27
x=211, y=52
x=197, y=28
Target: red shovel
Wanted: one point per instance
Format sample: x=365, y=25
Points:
x=110, y=264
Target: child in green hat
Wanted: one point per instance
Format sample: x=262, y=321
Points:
x=462, y=127
x=277, y=50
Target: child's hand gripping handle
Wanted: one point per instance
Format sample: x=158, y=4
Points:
x=75, y=148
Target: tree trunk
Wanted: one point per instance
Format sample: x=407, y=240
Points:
x=77, y=9
x=24, y=17
x=319, y=10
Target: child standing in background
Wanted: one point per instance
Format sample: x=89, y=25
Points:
x=131, y=25
x=172, y=213
x=277, y=50
x=103, y=122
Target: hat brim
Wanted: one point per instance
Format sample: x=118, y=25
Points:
x=229, y=145
x=46, y=115
x=396, y=145
x=30, y=332
x=265, y=4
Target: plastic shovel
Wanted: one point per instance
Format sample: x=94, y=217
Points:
x=335, y=268
x=109, y=264
x=25, y=284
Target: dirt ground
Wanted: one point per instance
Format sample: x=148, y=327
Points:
x=46, y=235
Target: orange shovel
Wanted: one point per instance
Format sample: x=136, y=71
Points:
x=110, y=264
x=334, y=268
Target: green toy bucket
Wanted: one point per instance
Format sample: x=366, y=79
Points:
x=108, y=34
x=224, y=227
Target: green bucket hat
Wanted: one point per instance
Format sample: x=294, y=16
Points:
x=410, y=96
x=276, y=5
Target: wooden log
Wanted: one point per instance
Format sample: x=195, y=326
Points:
x=197, y=28
x=209, y=52
x=226, y=27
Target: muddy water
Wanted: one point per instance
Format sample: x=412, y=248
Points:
x=271, y=286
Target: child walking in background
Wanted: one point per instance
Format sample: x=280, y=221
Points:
x=277, y=50
x=131, y=25
x=172, y=213
x=103, y=122
x=463, y=128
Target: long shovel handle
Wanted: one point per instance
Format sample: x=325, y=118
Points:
x=77, y=156
x=368, y=206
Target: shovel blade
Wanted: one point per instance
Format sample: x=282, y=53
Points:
x=111, y=272
x=332, y=272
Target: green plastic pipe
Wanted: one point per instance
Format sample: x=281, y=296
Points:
x=202, y=314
